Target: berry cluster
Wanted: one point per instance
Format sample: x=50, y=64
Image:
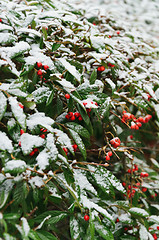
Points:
x=41, y=72
x=110, y=65
x=73, y=116
x=109, y=154
x=135, y=123
x=101, y=69
x=75, y=147
x=115, y=142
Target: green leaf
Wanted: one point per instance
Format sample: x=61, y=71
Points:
x=103, y=231
x=59, y=105
x=3, y=105
x=46, y=235
x=138, y=212
x=79, y=142
x=83, y=132
x=50, y=98
x=55, y=46
x=154, y=219
x=11, y=216
x=93, y=76
x=55, y=216
x=84, y=114
x=33, y=235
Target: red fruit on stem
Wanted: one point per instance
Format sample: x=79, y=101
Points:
x=20, y=105
x=129, y=170
x=131, y=136
x=129, y=187
x=118, y=32
x=76, y=114
x=110, y=153
x=138, y=184
x=140, y=119
x=0, y=20
x=67, y=116
x=67, y=96
x=109, y=36
x=70, y=114
x=39, y=73
x=84, y=103
x=32, y=153
x=86, y=217
x=107, y=158
x=46, y=67
x=35, y=150
x=73, y=118
x=154, y=236
x=146, y=175
x=117, y=220
x=157, y=227
x=124, y=184
x=99, y=69
x=19, y=143
x=102, y=68
x=21, y=131
x=39, y=65
x=75, y=147
x=42, y=136
x=144, y=189
x=80, y=118
x=65, y=150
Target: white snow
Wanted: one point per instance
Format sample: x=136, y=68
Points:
x=5, y=142
x=28, y=142
x=12, y=164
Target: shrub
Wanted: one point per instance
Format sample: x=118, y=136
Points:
x=79, y=115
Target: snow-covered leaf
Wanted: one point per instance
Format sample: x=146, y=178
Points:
x=5, y=143
x=28, y=142
x=3, y=104
x=18, y=112
x=138, y=212
x=15, y=166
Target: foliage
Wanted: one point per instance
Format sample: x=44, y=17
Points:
x=79, y=112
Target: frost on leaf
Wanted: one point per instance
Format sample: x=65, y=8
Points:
x=28, y=142
x=74, y=228
x=138, y=211
x=63, y=139
x=17, y=112
x=143, y=233
x=83, y=182
x=40, y=119
x=71, y=69
x=3, y=104
x=5, y=143
x=15, y=166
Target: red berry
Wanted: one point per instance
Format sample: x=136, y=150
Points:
x=118, y=32
x=35, y=150
x=138, y=184
x=154, y=236
x=146, y=175
x=76, y=114
x=107, y=158
x=140, y=119
x=39, y=72
x=19, y=143
x=73, y=118
x=84, y=103
x=131, y=136
x=129, y=187
x=42, y=136
x=46, y=67
x=20, y=105
x=110, y=65
x=32, y=153
x=117, y=220
x=67, y=96
x=129, y=170
x=125, y=229
x=124, y=184
x=155, y=194
x=39, y=64
x=109, y=36
x=86, y=217
x=21, y=131
x=80, y=118
x=65, y=150
x=67, y=116
x=144, y=189
x=102, y=68
x=110, y=153
x=0, y=20
x=157, y=227
x=75, y=147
